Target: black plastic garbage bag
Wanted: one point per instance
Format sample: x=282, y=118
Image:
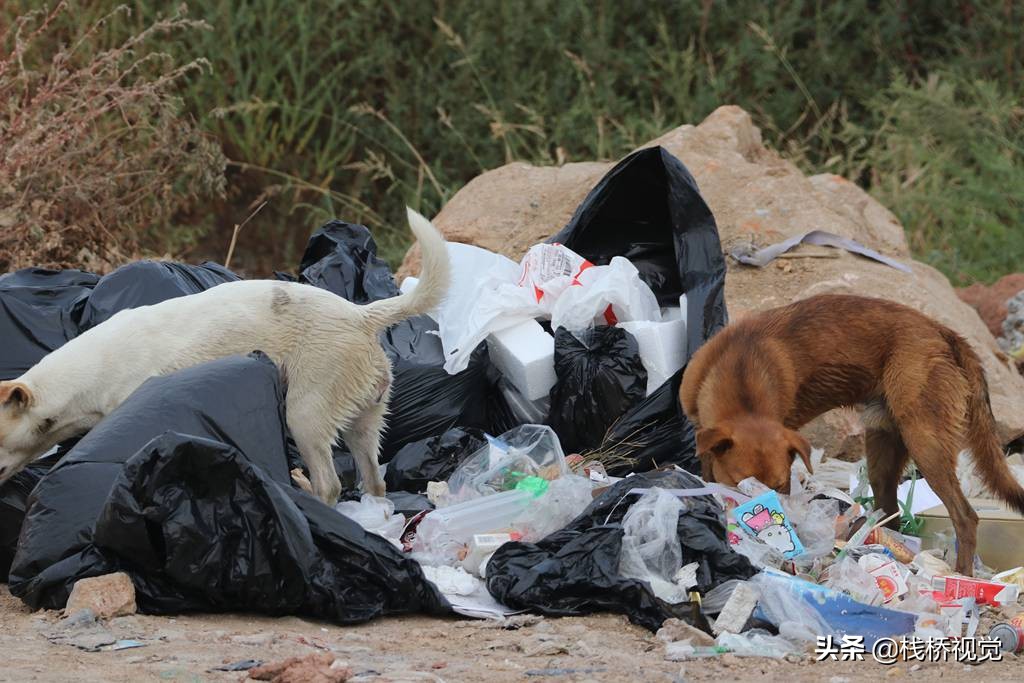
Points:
x=654, y=433
x=202, y=513
x=427, y=401
x=14, y=496
x=342, y=258
x=236, y=400
x=144, y=283
x=432, y=459
x=575, y=571
x=600, y=376
x=649, y=210
x=200, y=526
x=40, y=310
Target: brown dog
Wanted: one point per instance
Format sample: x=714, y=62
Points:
x=922, y=386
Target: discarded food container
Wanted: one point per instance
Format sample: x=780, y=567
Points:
x=444, y=534
x=887, y=573
x=985, y=592
x=483, y=545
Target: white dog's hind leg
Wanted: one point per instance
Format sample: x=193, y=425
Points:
x=313, y=437
x=362, y=437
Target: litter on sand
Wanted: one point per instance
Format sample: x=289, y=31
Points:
x=537, y=460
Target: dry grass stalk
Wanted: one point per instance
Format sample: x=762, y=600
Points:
x=95, y=157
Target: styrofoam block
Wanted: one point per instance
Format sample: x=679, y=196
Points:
x=662, y=348
x=671, y=313
x=525, y=355
x=408, y=284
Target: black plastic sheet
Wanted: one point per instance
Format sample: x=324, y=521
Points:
x=600, y=376
x=144, y=283
x=575, y=571
x=655, y=432
x=649, y=210
x=186, y=488
x=342, y=258
x=200, y=526
x=40, y=310
x=432, y=459
x=237, y=400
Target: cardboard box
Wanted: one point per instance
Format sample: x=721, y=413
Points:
x=1000, y=532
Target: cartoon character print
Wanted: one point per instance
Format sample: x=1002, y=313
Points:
x=770, y=528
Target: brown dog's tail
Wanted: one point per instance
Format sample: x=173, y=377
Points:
x=989, y=459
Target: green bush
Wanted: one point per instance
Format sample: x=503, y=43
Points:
x=356, y=107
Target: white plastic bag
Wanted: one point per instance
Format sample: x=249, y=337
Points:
x=483, y=297
x=618, y=286
x=650, y=544
x=489, y=293
x=376, y=515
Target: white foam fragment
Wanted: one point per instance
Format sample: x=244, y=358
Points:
x=662, y=348
x=408, y=284
x=525, y=355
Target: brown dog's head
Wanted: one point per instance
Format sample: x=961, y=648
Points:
x=751, y=446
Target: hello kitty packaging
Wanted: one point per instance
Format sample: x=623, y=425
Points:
x=764, y=519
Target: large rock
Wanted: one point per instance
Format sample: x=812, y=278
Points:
x=990, y=300
x=757, y=197
x=110, y=595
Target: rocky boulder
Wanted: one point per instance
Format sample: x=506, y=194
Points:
x=990, y=300
x=757, y=198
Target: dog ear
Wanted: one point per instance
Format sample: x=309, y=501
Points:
x=803, y=447
x=713, y=440
x=15, y=396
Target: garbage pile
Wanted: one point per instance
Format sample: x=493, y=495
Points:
x=537, y=458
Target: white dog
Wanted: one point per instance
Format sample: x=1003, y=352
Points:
x=327, y=348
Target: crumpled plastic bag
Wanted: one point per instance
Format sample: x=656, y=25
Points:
x=144, y=283
x=606, y=294
x=847, y=576
x=40, y=310
x=650, y=544
x=524, y=451
x=599, y=377
x=376, y=515
x=342, y=258
x=575, y=570
x=490, y=293
x=432, y=459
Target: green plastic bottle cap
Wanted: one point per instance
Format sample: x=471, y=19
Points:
x=535, y=485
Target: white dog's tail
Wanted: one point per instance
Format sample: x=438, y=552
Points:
x=433, y=283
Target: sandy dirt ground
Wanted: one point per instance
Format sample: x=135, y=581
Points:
x=594, y=648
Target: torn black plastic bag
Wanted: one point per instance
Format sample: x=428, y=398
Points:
x=432, y=459
x=425, y=400
x=198, y=525
x=144, y=283
x=40, y=310
x=599, y=377
x=342, y=258
x=235, y=400
x=653, y=433
x=14, y=496
x=575, y=571
x=649, y=210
